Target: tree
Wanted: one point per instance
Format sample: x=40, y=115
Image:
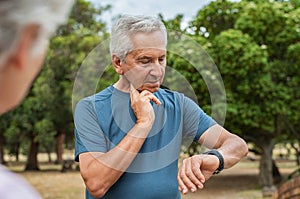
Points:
x=75, y=40
x=4, y=125
x=214, y=18
x=254, y=44
x=251, y=100
x=293, y=120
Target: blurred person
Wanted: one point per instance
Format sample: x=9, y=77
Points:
x=129, y=135
x=25, y=30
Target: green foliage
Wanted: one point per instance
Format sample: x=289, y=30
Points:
x=45, y=133
x=214, y=18
x=255, y=45
x=244, y=68
x=259, y=19
x=173, y=24
x=109, y=77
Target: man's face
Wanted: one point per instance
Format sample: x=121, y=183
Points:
x=144, y=67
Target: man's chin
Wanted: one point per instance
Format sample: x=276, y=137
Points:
x=150, y=89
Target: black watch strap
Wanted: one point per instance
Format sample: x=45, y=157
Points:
x=220, y=157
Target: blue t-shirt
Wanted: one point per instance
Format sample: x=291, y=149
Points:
x=102, y=120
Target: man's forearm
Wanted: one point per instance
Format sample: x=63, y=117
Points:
x=121, y=156
x=233, y=150
x=232, y=147
x=106, y=168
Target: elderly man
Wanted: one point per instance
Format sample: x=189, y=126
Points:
x=128, y=136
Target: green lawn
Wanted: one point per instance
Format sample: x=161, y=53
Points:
x=239, y=182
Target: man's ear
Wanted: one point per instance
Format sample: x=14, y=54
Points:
x=116, y=61
x=22, y=51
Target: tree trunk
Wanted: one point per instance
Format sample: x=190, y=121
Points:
x=48, y=151
x=276, y=173
x=297, y=149
x=32, y=162
x=295, y=134
x=60, y=139
x=2, y=160
x=298, y=153
x=266, y=168
x=17, y=151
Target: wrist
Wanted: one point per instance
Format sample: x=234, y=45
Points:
x=145, y=122
x=219, y=156
x=143, y=130
x=140, y=131
x=144, y=127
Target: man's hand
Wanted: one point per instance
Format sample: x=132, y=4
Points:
x=143, y=110
x=195, y=170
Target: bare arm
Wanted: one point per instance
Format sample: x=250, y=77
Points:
x=232, y=147
x=101, y=170
x=199, y=168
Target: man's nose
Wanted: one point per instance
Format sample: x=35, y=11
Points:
x=157, y=69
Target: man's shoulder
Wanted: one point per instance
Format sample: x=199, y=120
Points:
x=175, y=97
x=97, y=97
x=166, y=92
x=102, y=95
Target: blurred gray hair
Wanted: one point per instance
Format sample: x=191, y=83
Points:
x=128, y=25
x=17, y=14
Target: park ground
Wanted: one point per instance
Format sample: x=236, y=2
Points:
x=238, y=182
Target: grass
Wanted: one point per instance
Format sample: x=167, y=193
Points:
x=239, y=182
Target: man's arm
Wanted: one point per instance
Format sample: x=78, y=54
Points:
x=101, y=170
x=197, y=169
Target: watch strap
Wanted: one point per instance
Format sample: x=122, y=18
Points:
x=219, y=156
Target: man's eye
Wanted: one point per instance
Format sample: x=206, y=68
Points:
x=144, y=61
x=162, y=60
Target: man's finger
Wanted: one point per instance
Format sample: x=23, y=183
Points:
x=150, y=96
x=155, y=100
x=133, y=91
x=193, y=182
x=181, y=185
x=197, y=171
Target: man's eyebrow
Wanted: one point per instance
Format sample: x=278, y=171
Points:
x=144, y=57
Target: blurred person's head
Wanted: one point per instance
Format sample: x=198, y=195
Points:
x=138, y=51
x=25, y=29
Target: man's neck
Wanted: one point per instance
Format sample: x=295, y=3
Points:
x=122, y=85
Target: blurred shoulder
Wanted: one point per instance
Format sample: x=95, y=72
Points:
x=14, y=186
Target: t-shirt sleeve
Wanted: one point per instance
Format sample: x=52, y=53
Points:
x=195, y=120
x=89, y=136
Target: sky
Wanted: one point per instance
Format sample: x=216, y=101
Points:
x=168, y=8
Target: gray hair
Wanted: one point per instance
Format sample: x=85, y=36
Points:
x=17, y=14
x=128, y=25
